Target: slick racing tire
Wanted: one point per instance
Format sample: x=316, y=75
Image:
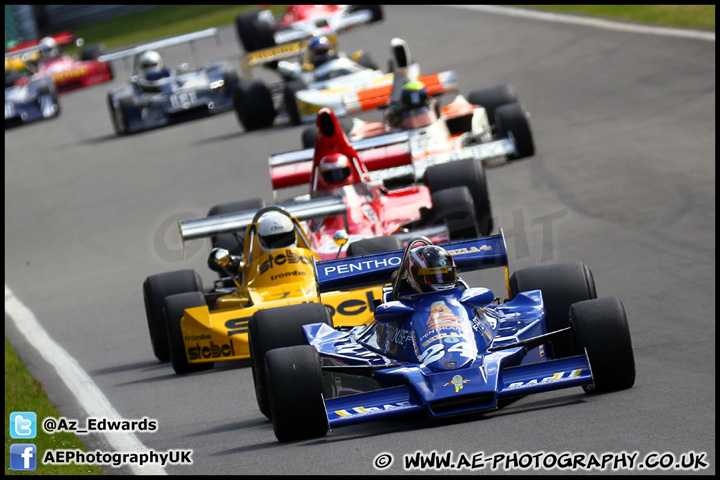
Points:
x=277, y=328
x=600, y=327
x=374, y=245
x=91, y=52
x=493, y=97
x=367, y=61
x=254, y=105
x=470, y=173
x=245, y=29
x=512, y=120
x=122, y=115
x=175, y=306
x=289, y=98
x=562, y=284
x=233, y=242
x=230, y=83
x=155, y=289
x=455, y=208
x=295, y=388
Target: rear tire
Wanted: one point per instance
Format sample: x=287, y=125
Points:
x=600, y=327
x=254, y=105
x=493, y=97
x=374, y=245
x=155, y=289
x=512, y=120
x=454, y=206
x=562, y=284
x=469, y=173
x=233, y=242
x=295, y=387
x=175, y=306
x=245, y=29
x=277, y=328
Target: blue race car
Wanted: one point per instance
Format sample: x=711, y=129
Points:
x=436, y=345
x=35, y=99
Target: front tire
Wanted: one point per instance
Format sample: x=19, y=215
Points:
x=600, y=328
x=513, y=120
x=374, y=245
x=155, y=289
x=277, y=328
x=175, y=306
x=290, y=100
x=295, y=387
x=254, y=105
x=454, y=206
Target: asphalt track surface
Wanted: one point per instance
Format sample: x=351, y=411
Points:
x=623, y=180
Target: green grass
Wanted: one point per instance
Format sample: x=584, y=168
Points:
x=166, y=21
x=25, y=394
x=692, y=16
x=160, y=22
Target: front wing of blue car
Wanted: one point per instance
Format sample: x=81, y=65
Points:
x=475, y=389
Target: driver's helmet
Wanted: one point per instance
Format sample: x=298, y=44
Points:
x=276, y=230
x=150, y=65
x=415, y=109
x=430, y=269
x=319, y=48
x=49, y=48
x=334, y=168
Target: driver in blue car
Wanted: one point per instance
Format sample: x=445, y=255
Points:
x=431, y=269
x=151, y=67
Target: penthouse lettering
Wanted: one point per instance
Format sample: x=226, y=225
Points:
x=363, y=266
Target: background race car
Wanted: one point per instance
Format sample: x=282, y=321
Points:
x=156, y=96
x=374, y=215
x=35, y=100
x=492, y=123
x=309, y=81
x=45, y=57
x=258, y=28
x=445, y=350
x=193, y=328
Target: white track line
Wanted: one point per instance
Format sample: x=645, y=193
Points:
x=89, y=396
x=589, y=21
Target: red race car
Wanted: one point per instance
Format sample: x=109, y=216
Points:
x=259, y=29
x=68, y=73
x=346, y=206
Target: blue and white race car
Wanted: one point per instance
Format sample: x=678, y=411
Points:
x=435, y=344
x=36, y=99
x=156, y=96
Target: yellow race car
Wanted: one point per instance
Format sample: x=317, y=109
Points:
x=193, y=328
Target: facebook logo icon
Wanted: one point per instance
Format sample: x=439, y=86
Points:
x=23, y=456
x=23, y=425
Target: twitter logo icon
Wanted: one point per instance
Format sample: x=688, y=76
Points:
x=23, y=425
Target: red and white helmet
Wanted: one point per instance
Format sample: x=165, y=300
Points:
x=334, y=168
x=431, y=269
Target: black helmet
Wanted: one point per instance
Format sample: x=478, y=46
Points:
x=430, y=269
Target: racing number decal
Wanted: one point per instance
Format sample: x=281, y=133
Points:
x=183, y=99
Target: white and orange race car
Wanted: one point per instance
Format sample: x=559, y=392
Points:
x=489, y=123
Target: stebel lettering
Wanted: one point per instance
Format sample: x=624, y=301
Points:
x=289, y=257
x=212, y=351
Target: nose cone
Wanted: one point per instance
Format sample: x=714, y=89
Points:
x=450, y=350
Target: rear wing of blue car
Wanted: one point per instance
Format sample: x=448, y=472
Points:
x=377, y=268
